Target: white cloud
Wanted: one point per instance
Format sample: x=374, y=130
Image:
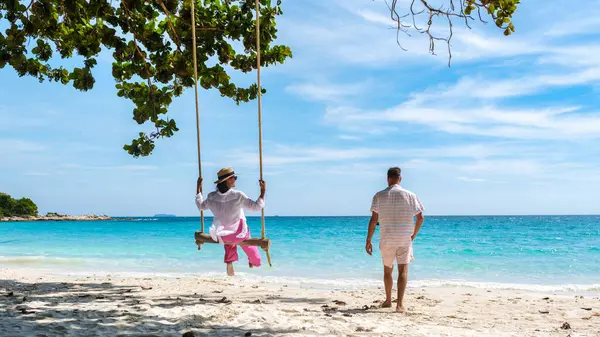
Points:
x=557, y=123
x=10, y=147
x=287, y=155
x=474, y=151
x=132, y=168
x=491, y=88
x=583, y=54
x=493, y=163
x=350, y=169
x=376, y=17
x=328, y=92
x=577, y=22
x=494, y=88
x=26, y=117
x=195, y=164
x=525, y=170
x=349, y=137
x=37, y=174
x=506, y=166
x=471, y=107
x=470, y=45
x=472, y=180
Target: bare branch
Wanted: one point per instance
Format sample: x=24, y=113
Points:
x=414, y=15
x=400, y=27
x=449, y=12
x=449, y=38
x=462, y=10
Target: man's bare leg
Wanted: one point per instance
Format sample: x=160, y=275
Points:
x=388, y=281
x=402, y=281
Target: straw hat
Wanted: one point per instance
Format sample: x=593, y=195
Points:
x=224, y=174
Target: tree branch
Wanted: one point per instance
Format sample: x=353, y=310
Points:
x=431, y=13
x=400, y=27
x=141, y=54
x=164, y=8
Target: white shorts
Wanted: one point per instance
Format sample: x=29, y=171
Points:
x=402, y=255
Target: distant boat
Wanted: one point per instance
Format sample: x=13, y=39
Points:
x=165, y=215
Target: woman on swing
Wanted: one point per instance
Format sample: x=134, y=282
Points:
x=229, y=223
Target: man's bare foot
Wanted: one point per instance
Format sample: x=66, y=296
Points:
x=230, y=271
x=250, y=265
x=400, y=309
x=387, y=304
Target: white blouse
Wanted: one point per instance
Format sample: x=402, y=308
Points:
x=228, y=210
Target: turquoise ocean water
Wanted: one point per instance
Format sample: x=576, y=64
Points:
x=556, y=252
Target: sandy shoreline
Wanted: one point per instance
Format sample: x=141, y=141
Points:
x=41, y=304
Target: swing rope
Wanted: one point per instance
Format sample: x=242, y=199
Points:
x=197, y=107
x=200, y=237
x=260, y=147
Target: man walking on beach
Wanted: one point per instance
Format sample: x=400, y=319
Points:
x=395, y=209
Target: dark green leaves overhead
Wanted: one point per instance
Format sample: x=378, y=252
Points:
x=151, y=43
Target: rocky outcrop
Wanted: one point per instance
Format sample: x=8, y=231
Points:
x=56, y=217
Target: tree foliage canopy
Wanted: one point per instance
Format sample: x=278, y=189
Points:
x=151, y=44
x=20, y=207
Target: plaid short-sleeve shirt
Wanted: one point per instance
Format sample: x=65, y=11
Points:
x=397, y=208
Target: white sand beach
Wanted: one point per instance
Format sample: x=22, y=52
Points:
x=33, y=303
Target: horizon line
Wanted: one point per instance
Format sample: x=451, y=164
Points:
x=350, y=216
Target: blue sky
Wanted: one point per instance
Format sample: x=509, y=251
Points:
x=511, y=128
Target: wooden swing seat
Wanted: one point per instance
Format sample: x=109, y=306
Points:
x=202, y=238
